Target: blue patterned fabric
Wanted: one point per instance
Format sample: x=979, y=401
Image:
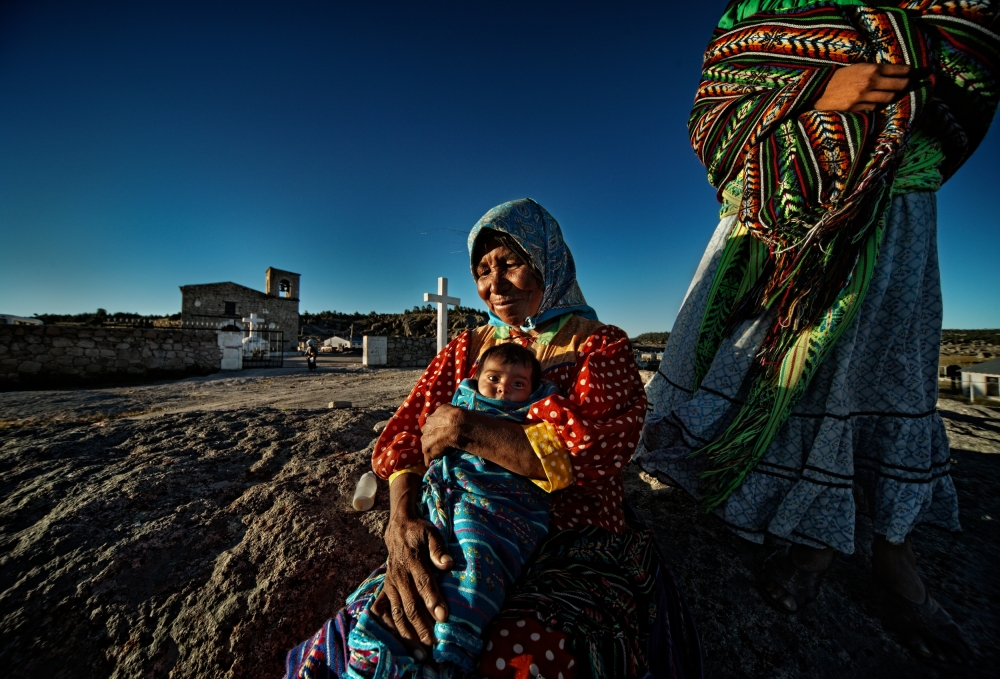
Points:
x=539, y=235
x=491, y=521
x=866, y=435
x=600, y=600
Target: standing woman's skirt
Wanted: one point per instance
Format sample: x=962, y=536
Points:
x=866, y=435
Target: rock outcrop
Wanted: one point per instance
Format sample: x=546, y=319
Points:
x=202, y=541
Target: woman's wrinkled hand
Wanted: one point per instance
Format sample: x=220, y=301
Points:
x=862, y=87
x=441, y=432
x=410, y=600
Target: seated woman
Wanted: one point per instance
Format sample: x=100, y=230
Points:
x=595, y=598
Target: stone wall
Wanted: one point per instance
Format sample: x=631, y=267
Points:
x=53, y=355
x=398, y=352
x=410, y=352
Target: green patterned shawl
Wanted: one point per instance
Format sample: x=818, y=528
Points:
x=811, y=189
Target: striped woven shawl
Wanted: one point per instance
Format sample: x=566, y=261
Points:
x=815, y=185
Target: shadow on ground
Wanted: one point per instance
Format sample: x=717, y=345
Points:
x=841, y=634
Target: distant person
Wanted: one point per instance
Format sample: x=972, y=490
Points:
x=799, y=383
x=311, y=353
x=491, y=520
x=595, y=600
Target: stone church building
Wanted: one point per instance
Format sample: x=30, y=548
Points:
x=217, y=302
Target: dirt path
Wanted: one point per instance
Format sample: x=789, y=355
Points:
x=288, y=388
x=201, y=528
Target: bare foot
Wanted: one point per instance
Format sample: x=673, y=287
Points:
x=895, y=566
x=790, y=579
x=931, y=633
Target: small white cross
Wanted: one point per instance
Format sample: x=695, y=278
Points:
x=254, y=321
x=443, y=300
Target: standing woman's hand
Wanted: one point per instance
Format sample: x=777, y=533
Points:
x=410, y=601
x=862, y=87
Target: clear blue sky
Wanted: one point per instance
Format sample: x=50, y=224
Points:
x=148, y=145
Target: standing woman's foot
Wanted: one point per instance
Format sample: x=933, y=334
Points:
x=927, y=628
x=791, y=578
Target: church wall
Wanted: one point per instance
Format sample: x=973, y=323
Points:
x=53, y=355
x=211, y=307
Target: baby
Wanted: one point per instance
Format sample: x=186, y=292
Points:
x=490, y=519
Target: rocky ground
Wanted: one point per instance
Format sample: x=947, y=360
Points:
x=202, y=527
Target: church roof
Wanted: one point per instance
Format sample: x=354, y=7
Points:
x=203, y=285
x=228, y=285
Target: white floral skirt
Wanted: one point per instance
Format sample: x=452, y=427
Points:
x=866, y=435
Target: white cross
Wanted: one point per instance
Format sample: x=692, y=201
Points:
x=254, y=321
x=443, y=300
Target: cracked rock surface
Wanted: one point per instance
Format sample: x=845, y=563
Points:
x=201, y=528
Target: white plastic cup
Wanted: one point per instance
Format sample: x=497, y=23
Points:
x=364, y=494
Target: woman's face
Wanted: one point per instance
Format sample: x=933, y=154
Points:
x=506, y=283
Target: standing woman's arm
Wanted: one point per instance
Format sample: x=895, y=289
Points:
x=862, y=87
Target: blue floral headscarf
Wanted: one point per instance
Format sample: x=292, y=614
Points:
x=538, y=234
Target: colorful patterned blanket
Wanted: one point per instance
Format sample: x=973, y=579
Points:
x=814, y=186
x=491, y=521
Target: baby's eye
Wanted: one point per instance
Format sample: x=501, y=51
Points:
x=493, y=378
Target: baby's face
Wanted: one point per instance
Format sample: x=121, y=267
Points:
x=505, y=382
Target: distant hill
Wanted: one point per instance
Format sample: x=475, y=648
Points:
x=415, y=322
x=651, y=339
x=969, y=336
x=980, y=343
x=421, y=321
x=100, y=317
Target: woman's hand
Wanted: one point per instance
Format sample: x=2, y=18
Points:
x=499, y=441
x=410, y=601
x=862, y=87
x=441, y=431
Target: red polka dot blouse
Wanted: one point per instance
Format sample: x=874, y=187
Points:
x=597, y=419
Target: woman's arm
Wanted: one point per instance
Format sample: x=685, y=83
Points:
x=398, y=446
x=410, y=601
x=498, y=441
x=862, y=87
x=410, y=595
x=593, y=428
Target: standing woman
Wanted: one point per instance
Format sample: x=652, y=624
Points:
x=799, y=385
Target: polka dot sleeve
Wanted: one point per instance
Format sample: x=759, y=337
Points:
x=398, y=447
x=551, y=452
x=599, y=421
